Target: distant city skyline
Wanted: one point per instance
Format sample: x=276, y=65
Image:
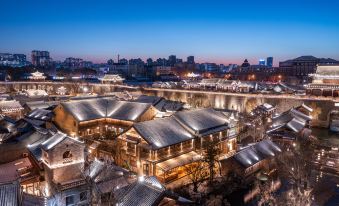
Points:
x=220, y=32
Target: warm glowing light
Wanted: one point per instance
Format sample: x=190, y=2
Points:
x=141, y=178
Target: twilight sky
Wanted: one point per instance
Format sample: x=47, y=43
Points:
x=213, y=31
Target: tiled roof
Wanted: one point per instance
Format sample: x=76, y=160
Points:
x=181, y=127
x=90, y=109
x=255, y=153
x=169, y=106
x=292, y=119
x=10, y=106
x=40, y=114
x=160, y=103
x=41, y=104
x=112, y=77
x=36, y=92
x=35, y=147
x=146, y=191
x=107, y=177
x=201, y=121
x=162, y=132
x=53, y=141
x=10, y=194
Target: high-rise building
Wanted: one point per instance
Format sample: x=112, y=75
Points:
x=12, y=59
x=262, y=62
x=136, y=62
x=40, y=58
x=269, y=62
x=190, y=60
x=161, y=62
x=149, y=61
x=172, y=59
x=72, y=62
x=110, y=62
x=123, y=61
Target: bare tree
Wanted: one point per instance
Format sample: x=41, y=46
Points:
x=266, y=193
x=211, y=152
x=295, y=166
x=197, y=173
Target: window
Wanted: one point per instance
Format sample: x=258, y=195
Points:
x=67, y=154
x=70, y=200
x=83, y=196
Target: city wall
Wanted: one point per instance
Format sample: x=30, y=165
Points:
x=322, y=107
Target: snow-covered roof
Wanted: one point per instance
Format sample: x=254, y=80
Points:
x=307, y=108
x=35, y=147
x=327, y=70
x=37, y=74
x=160, y=103
x=107, y=177
x=181, y=127
x=90, y=109
x=164, y=132
x=169, y=106
x=41, y=104
x=202, y=121
x=10, y=106
x=54, y=140
x=256, y=153
x=40, y=114
x=293, y=119
x=112, y=77
x=35, y=93
x=146, y=191
x=267, y=106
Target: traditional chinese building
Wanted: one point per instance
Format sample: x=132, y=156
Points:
x=251, y=159
x=292, y=123
x=325, y=81
x=63, y=161
x=11, y=108
x=112, y=79
x=93, y=117
x=37, y=76
x=35, y=93
x=161, y=147
x=147, y=191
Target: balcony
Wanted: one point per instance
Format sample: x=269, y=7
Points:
x=67, y=160
x=68, y=185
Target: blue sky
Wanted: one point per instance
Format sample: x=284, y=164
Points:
x=219, y=31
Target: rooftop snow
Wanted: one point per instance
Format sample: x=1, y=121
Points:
x=162, y=132
x=148, y=191
x=90, y=109
x=202, y=120
x=255, y=153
